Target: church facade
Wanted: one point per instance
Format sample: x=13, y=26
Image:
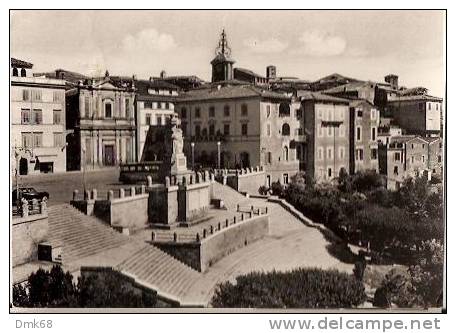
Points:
x=100, y=114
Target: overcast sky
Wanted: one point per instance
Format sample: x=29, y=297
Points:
x=306, y=44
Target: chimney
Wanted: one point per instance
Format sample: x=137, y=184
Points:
x=393, y=80
x=271, y=72
x=162, y=74
x=151, y=78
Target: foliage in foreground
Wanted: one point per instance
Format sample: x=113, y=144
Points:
x=55, y=288
x=300, y=288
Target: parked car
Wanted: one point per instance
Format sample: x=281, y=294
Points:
x=29, y=193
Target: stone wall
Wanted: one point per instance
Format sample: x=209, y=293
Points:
x=246, y=180
x=27, y=233
x=217, y=242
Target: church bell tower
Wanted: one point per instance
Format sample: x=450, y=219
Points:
x=222, y=64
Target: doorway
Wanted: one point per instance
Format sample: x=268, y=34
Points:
x=108, y=156
x=23, y=166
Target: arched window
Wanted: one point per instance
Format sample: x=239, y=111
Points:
x=15, y=72
x=298, y=152
x=285, y=129
x=23, y=72
x=226, y=110
x=244, y=110
x=284, y=110
x=285, y=153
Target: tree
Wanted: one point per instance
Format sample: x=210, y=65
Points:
x=300, y=288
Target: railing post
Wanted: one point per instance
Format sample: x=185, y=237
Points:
x=212, y=229
x=242, y=216
x=197, y=237
x=234, y=220
x=219, y=226
x=133, y=191
x=110, y=195
x=153, y=236
x=175, y=237
x=143, y=189
x=204, y=233
x=122, y=193
x=75, y=195
x=227, y=223
x=149, y=181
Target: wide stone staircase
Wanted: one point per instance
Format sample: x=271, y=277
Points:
x=230, y=196
x=163, y=273
x=80, y=235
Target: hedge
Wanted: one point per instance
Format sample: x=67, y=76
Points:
x=300, y=288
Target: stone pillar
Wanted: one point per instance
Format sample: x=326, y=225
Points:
x=167, y=181
x=122, y=193
x=100, y=149
x=75, y=195
x=133, y=191
x=149, y=181
x=87, y=195
x=94, y=194
x=24, y=207
x=43, y=207
x=143, y=189
x=110, y=195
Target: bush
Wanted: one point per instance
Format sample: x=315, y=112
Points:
x=263, y=190
x=55, y=288
x=300, y=288
x=277, y=189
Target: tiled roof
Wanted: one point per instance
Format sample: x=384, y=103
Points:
x=20, y=63
x=404, y=138
x=316, y=96
x=415, y=98
x=249, y=72
x=335, y=77
x=229, y=92
x=352, y=86
x=69, y=76
x=356, y=102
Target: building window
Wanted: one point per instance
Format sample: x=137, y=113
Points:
x=341, y=152
x=15, y=72
x=211, y=129
x=358, y=133
x=57, y=117
x=397, y=156
x=127, y=108
x=298, y=113
x=284, y=110
x=25, y=116
x=58, y=140
x=285, y=178
x=23, y=72
x=269, y=157
x=329, y=172
x=373, y=113
x=226, y=129
x=197, y=112
x=159, y=105
x=211, y=112
x=268, y=129
x=285, y=153
x=167, y=106
x=148, y=120
x=268, y=110
x=87, y=107
x=422, y=158
x=437, y=106
x=36, y=95
x=27, y=140
x=373, y=154
x=329, y=152
x=341, y=130
x=330, y=131
x=320, y=153
x=184, y=129
x=413, y=159
x=396, y=170
x=183, y=113
x=374, y=133
x=244, y=129
x=37, y=139
x=197, y=130
x=286, y=129
x=57, y=96
x=37, y=117
x=159, y=120
x=244, y=110
x=359, y=113
x=439, y=159
x=421, y=106
x=226, y=110
x=108, y=110
x=359, y=154
x=320, y=131
x=26, y=95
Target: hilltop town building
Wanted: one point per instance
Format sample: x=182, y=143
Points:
x=326, y=125
x=364, y=121
x=37, y=121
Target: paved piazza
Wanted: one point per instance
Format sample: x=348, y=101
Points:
x=60, y=186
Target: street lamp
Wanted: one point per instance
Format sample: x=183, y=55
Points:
x=218, y=154
x=192, y=144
